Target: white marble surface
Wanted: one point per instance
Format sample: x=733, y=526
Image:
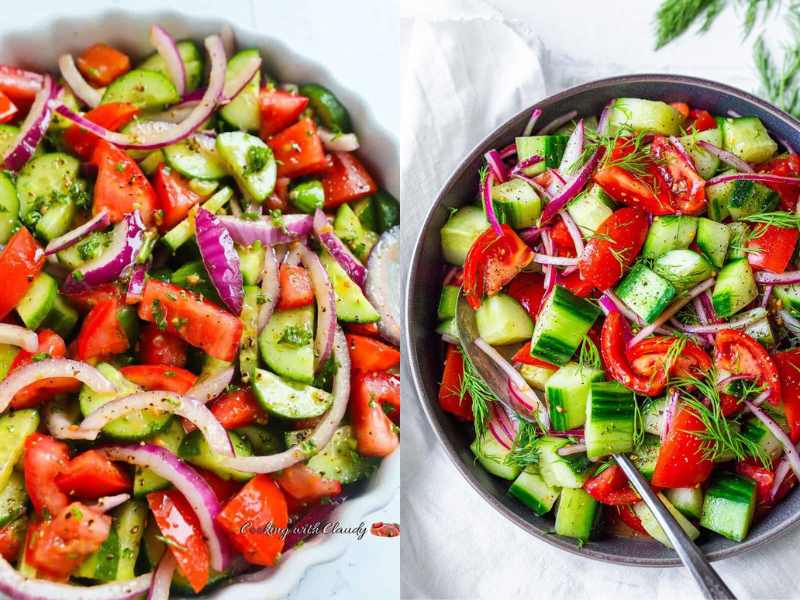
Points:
x=467, y=66
x=363, y=59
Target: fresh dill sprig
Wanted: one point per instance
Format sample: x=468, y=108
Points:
x=525, y=450
x=674, y=352
x=482, y=174
x=588, y=354
x=780, y=84
x=778, y=219
x=675, y=17
x=479, y=392
x=638, y=424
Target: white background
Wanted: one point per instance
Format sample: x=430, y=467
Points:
x=468, y=65
x=363, y=59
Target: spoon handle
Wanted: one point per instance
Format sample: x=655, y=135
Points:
x=707, y=579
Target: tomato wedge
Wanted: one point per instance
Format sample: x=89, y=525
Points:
x=175, y=197
x=450, y=399
x=20, y=262
x=368, y=329
x=492, y=262
x=296, y=288
x=160, y=377
x=86, y=300
x=701, y=120
x=630, y=519
x=113, y=116
x=19, y=85
x=786, y=165
x=259, y=504
x=158, y=347
x=8, y=110
x=299, y=150
x=528, y=290
x=43, y=459
x=523, y=356
x=92, y=475
x=101, y=333
x=771, y=248
x=613, y=342
x=681, y=460
x=279, y=110
x=121, y=187
x=12, y=538
x=739, y=354
x=305, y=485
x=196, y=320
x=615, y=246
x=788, y=364
x=647, y=192
x=374, y=431
x=611, y=487
x=369, y=354
x=687, y=189
x=101, y=64
x=347, y=180
x=647, y=359
x=237, y=409
x=52, y=346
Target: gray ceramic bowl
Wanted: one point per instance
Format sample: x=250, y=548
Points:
x=424, y=350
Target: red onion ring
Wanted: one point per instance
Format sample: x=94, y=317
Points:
x=556, y=261
x=549, y=270
x=524, y=164
x=79, y=86
x=786, y=278
x=574, y=149
x=508, y=151
x=739, y=323
x=165, y=44
x=19, y=336
x=326, y=305
x=270, y=288
x=571, y=449
x=228, y=39
x=208, y=388
x=535, y=114
x=135, y=290
x=573, y=187
x=681, y=150
x=759, y=177
x=558, y=122
x=574, y=232
x=602, y=122
x=338, y=250
x=729, y=158
x=791, y=452
x=338, y=142
x=234, y=86
x=669, y=412
x=246, y=232
x=33, y=127
x=220, y=259
x=162, y=580
x=488, y=205
x=496, y=165
x=100, y=221
x=107, y=503
x=781, y=471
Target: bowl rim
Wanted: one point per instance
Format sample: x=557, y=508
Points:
x=410, y=344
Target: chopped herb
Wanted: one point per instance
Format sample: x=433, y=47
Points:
x=159, y=315
x=295, y=336
x=588, y=355
x=40, y=356
x=525, y=450
x=257, y=158
x=479, y=392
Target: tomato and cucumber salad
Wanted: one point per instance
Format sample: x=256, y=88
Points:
x=198, y=330
x=640, y=267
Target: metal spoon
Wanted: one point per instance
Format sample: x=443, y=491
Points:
x=707, y=579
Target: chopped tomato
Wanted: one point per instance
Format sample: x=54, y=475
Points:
x=374, y=431
x=492, y=262
x=647, y=192
x=237, y=409
x=611, y=487
x=101, y=333
x=12, y=537
x=259, y=504
x=158, y=347
x=279, y=199
x=20, y=262
x=615, y=246
x=369, y=354
x=43, y=459
x=51, y=345
x=224, y=489
x=113, y=116
x=739, y=354
x=575, y=284
x=347, y=180
x=701, y=120
x=528, y=290
x=368, y=329
x=296, y=288
x=305, y=485
x=688, y=189
x=196, y=320
x=19, y=85
x=8, y=110
x=563, y=245
x=86, y=300
x=682, y=108
x=648, y=357
x=681, y=459
x=178, y=523
x=630, y=519
x=771, y=248
x=450, y=399
x=92, y=475
x=160, y=377
x=788, y=364
x=762, y=476
x=60, y=545
x=299, y=150
x=786, y=166
x=613, y=344
x=175, y=197
x=101, y=64
x=121, y=187
x=279, y=110
x=523, y=355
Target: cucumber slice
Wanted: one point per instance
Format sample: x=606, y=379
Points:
x=147, y=90
x=62, y=318
x=144, y=479
x=569, y=471
x=14, y=428
x=250, y=161
x=192, y=61
x=684, y=269
x=713, y=239
x=331, y=113
x=251, y=262
x=133, y=426
x=688, y=500
x=349, y=229
x=492, y=457
x=193, y=276
x=735, y=288
x=461, y=230
x=549, y=147
x=705, y=162
x=761, y=330
x=243, y=112
x=8, y=137
x=9, y=208
x=7, y=355
x=749, y=198
x=351, y=304
x=365, y=211
x=561, y=326
x=149, y=164
x=530, y=488
x=654, y=529
x=287, y=399
x=448, y=327
x=502, y=320
x=729, y=505
x=747, y=138
x=590, y=209
x=183, y=231
x=740, y=232
x=13, y=498
x=757, y=432
x=308, y=196
x=339, y=460
x=196, y=157
x=669, y=233
x=248, y=350
x=645, y=292
x=447, y=302
x=789, y=295
x=654, y=414
x=719, y=196
x=195, y=449
x=567, y=391
x=89, y=248
x=640, y=115
x=387, y=210
x=577, y=514
x=264, y=441
x=38, y=301
x=287, y=343
x=115, y=560
x=536, y=376
x=645, y=455
x=610, y=419
x=516, y=203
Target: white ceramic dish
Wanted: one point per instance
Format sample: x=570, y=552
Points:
x=39, y=48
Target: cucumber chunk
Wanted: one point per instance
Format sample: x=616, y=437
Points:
x=387, y=210
x=590, y=209
x=193, y=276
x=251, y=261
x=250, y=161
x=7, y=355
x=339, y=460
x=145, y=480
x=9, y=208
x=287, y=399
x=492, y=457
x=448, y=327
x=502, y=320
x=14, y=428
x=243, y=112
x=351, y=304
x=654, y=413
x=264, y=440
x=740, y=233
x=248, y=347
x=729, y=505
x=566, y=391
x=89, y=248
x=610, y=419
x=536, y=376
x=461, y=230
x=640, y=115
x=713, y=239
x=62, y=318
x=757, y=432
x=719, y=196
x=13, y=498
x=569, y=471
x=447, y=302
x=549, y=147
x=669, y=233
x=516, y=202
x=38, y=301
x=684, y=269
x=192, y=59
x=530, y=488
x=735, y=288
x=577, y=514
x=749, y=198
x=688, y=500
x=195, y=449
x=287, y=343
x=308, y=196
x=645, y=292
x=654, y=529
x=645, y=455
x=561, y=326
x=761, y=330
x=705, y=162
x=331, y=113
x=196, y=157
x=147, y=90
x=350, y=230
x=115, y=560
x=747, y=138
x=183, y=231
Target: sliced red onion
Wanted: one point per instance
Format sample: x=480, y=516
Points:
x=497, y=431
x=765, y=296
x=558, y=176
x=617, y=303
x=558, y=261
x=126, y=241
x=576, y=433
x=574, y=150
x=33, y=127
x=508, y=151
x=338, y=142
x=785, y=143
x=488, y=205
x=384, y=282
x=549, y=271
x=48, y=369
x=338, y=250
x=449, y=339
x=669, y=412
x=208, y=388
x=496, y=165
x=166, y=46
x=135, y=291
x=324, y=340
x=530, y=235
x=228, y=39
x=535, y=114
x=246, y=232
x=739, y=323
x=79, y=86
x=100, y=221
x=174, y=114
x=702, y=316
x=573, y=187
x=574, y=232
x=671, y=310
x=324, y=431
x=729, y=158
x=571, y=449
x=311, y=521
x=605, y=115
x=524, y=164
x=781, y=471
x=681, y=150
x=787, y=278
x=450, y=275
x=60, y=425
x=708, y=305
x=234, y=86
x=270, y=288
x=162, y=580
x=760, y=177
x=788, y=447
x=19, y=336
x=189, y=483
x=107, y=503
x=508, y=424
x=759, y=400
x=558, y=122
x=790, y=321
x=543, y=192
x=220, y=259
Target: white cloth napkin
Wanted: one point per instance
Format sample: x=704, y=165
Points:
x=469, y=65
